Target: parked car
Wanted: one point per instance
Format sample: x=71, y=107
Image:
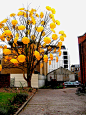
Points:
x=71, y=84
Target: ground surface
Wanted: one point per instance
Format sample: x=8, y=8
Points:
x=18, y=90
x=56, y=102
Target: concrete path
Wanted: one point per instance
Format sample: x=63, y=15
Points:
x=56, y=102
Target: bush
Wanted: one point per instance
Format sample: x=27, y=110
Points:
x=60, y=86
x=19, y=98
x=44, y=87
x=3, y=111
x=57, y=87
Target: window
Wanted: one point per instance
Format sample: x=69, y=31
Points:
x=65, y=61
x=64, y=53
x=65, y=57
x=65, y=66
x=63, y=47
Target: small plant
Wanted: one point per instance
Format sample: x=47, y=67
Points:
x=30, y=89
x=60, y=86
x=57, y=87
x=3, y=111
x=22, y=85
x=5, y=89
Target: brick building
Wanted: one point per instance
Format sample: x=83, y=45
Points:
x=82, y=54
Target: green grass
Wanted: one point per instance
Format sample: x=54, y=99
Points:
x=9, y=102
x=5, y=97
x=5, y=102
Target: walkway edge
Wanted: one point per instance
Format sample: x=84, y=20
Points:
x=20, y=109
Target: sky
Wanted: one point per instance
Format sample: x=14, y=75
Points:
x=70, y=13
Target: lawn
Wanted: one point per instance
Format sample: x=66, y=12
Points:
x=5, y=97
x=11, y=99
x=5, y=102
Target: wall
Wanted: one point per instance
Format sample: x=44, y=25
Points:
x=71, y=77
x=37, y=81
x=61, y=74
x=5, y=80
x=41, y=81
x=82, y=54
x=19, y=80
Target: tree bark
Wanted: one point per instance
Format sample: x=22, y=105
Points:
x=29, y=81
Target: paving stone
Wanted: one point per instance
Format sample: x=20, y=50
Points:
x=56, y=102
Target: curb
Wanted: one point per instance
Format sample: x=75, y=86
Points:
x=20, y=109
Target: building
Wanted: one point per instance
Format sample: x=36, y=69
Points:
x=82, y=55
x=76, y=69
x=63, y=60
x=61, y=75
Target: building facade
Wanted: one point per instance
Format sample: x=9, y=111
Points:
x=76, y=69
x=82, y=55
x=63, y=60
x=61, y=75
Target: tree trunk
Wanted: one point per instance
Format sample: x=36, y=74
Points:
x=29, y=82
x=28, y=79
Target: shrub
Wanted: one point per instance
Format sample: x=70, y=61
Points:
x=57, y=87
x=60, y=86
x=44, y=87
x=19, y=98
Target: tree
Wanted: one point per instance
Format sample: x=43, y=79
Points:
x=33, y=31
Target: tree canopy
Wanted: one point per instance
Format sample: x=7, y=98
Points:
x=35, y=32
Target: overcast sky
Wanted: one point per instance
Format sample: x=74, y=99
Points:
x=70, y=13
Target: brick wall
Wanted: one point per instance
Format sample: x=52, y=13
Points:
x=82, y=53
x=4, y=80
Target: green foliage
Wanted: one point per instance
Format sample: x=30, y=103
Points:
x=22, y=85
x=60, y=86
x=9, y=102
x=30, y=89
x=5, y=96
x=57, y=87
x=44, y=87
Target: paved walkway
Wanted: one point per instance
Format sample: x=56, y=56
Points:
x=56, y=102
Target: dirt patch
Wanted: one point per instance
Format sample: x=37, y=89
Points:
x=28, y=90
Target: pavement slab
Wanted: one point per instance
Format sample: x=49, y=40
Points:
x=56, y=102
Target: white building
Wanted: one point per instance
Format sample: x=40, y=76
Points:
x=63, y=60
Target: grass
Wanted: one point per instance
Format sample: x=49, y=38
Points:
x=5, y=97
x=5, y=103
x=10, y=102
